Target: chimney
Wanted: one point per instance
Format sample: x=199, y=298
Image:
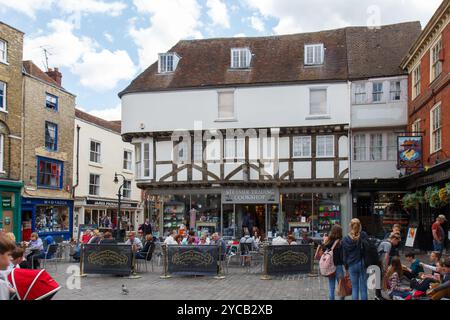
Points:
x=55, y=75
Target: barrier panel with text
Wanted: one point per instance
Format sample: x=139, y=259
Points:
x=192, y=260
x=116, y=259
x=289, y=259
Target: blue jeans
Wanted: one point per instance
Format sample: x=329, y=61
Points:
x=402, y=294
x=358, y=277
x=438, y=246
x=332, y=282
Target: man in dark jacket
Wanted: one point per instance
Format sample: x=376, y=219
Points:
x=146, y=227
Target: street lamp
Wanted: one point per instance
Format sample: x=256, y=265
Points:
x=119, y=196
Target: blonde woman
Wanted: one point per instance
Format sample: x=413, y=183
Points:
x=353, y=260
x=10, y=236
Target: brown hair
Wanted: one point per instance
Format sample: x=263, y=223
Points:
x=177, y=238
x=355, y=229
x=17, y=253
x=108, y=235
x=6, y=245
x=335, y=234
x=149, y=237
x=396, y=266
x=291, y=237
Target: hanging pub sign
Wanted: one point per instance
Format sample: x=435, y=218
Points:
x=409, y=152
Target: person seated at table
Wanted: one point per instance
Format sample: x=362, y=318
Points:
x=192, y=238
x=202, y=241
x=441, y=290
x=414, y=269
x=108, y=239
x=36, y=249
x=133, y=241
x=170, y=239
x=305, y=238
x=96, y=237
x=291, y=239
x=86, y=236
x=279, y=241
x=178, y=239
x=149, y=246
x=247, y=244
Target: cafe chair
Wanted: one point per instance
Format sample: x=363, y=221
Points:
x=158, y=252
x=148, y=258
x=51, y=255
x=246, y=254
x=233, y=251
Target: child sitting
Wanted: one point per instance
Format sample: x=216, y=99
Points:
x=414, y=269
x=393, y=276
x=442, y=290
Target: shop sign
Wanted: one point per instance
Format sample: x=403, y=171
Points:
x=55, y=203
x=246, y=196
x=116, y=259
x=192, y=260
x=111, y=204
x=6, y=202
x=409, y=152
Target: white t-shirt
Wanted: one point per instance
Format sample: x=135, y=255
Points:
x=170, y=240
x=4, y=285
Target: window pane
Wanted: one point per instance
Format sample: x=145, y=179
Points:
x=376, y=147
x=146, y=159
x=359, y=147
x=318, y=102
x=226, y=105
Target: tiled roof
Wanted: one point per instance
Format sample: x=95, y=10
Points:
x=280, y=59
x=110, y=125
x=35, y=71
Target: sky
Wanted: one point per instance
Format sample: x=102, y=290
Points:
x=100, y=46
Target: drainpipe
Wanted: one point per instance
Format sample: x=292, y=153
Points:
x=78, y=163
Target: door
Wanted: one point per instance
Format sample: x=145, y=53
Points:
x=8, y=221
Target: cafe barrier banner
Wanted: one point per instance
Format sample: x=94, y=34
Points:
x=114, y=259
x=192, y=260
x=289, y=259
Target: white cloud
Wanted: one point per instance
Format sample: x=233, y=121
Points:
x=30, y=7
x=239, y=35
x=296, y=16
x=103, y=70
x=97, y=69
x=218, y=12
x=108, y=37
x=170, y=21
x=257, y=23
x=109, y=114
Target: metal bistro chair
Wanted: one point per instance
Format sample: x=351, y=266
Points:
x=158, y=252
x=51, y=255
x=146, y=260
x=233, y=251
x=246, y=249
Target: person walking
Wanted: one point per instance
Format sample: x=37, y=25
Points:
x=353, y=259
x=335, y=239
x=438, y=233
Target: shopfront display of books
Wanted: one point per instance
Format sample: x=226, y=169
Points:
x=329, y=214
x=173, y=215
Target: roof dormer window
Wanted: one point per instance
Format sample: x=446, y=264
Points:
x=314, y=54
x=240, y=58
x=167, y=62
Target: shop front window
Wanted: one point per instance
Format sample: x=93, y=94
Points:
x=208, y=212
x=229, y=221
x=52, y=219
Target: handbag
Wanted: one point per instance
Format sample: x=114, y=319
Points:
x=344, y=287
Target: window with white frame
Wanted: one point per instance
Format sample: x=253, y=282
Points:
x=182, y=152
x=138, y=159
x=94, y=184
x=126, y=189
x=436, y=63
x=360, y=93
x=377, y=91
x=146, y=159
x=127, y=160
x=95, y=151
x=359, y=147
x=416, y=128
x=392, y=146
x=226, y=105
x=3, y=51
x=325, y=146
x=436, y=128
x=234, y=149
x=416, y=82
x=51, y=101
x=2, y=143
x=395, y=91
x=213, y=149
x=318, y=102
x=198, y=151
x=376, y=146
x=301, y=147
x=240, y=58
x=2, y=96
x=314, y=54
x=167, y=62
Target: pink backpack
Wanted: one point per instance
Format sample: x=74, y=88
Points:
x=326, y=264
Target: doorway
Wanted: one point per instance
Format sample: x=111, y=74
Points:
x=250, y=216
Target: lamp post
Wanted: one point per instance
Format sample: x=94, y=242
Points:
x=119, y=196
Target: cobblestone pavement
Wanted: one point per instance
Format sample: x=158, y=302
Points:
x=239, y=283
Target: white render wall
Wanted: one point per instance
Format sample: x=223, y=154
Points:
x=255, y=107
x=112, y=148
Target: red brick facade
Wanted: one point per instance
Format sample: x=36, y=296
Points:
x=431, y=94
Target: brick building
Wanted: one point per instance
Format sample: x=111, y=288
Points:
x=428, y=66
x=11, y=48
x=49, y=117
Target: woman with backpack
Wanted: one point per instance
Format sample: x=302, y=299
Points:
x=333, y=245
x=353, y=259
